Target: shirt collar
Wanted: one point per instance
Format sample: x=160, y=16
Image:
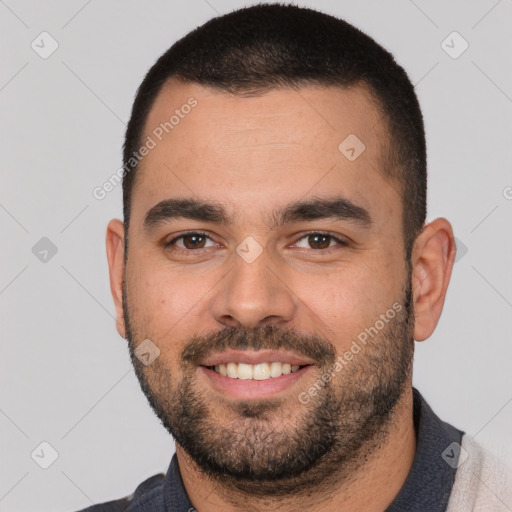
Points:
x=430, y=480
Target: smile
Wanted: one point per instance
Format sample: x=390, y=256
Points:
x=261, y=371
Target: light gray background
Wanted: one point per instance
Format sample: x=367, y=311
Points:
x=65, y=373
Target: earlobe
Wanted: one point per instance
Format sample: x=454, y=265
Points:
x=432, y=262
x=115, y=256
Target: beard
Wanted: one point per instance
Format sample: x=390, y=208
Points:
x=277, y=447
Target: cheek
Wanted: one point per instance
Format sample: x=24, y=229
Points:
x=164, y=302
x=345, y=303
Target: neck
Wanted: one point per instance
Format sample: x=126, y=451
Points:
x=383, y=468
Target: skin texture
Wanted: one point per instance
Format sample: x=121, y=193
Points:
x=351, y=447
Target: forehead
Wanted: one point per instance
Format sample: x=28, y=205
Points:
x=265, y=149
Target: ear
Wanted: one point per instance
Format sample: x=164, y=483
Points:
x=432, y=262
x=115, y=256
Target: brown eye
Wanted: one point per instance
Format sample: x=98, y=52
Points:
x=194, y=241
x=319, y=241
x=189, y=241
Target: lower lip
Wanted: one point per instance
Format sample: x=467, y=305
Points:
x=254, y=389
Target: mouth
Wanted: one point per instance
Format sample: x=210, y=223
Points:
x=254, y=374
x=260, y=371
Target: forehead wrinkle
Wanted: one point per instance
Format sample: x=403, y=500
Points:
x=270, y=145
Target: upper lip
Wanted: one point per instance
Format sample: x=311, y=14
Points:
x=255, y=357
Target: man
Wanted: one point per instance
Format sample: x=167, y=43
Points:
x=273, y=270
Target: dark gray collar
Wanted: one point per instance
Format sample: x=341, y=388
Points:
x=432, y=474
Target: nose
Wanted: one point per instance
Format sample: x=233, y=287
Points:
x=253, y=294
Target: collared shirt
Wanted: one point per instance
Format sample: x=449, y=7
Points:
x=426, y=489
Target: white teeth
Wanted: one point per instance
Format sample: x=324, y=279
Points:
x=232, y=370
x=275, y=370
x=261, y=371
x=244, y=371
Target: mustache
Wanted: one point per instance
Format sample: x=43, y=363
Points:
x=268, y=337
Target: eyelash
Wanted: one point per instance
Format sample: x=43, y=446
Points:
x=190, y=252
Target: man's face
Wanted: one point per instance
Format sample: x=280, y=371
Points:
x=310, y=283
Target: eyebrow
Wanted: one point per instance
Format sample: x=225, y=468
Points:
x=337, y=208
